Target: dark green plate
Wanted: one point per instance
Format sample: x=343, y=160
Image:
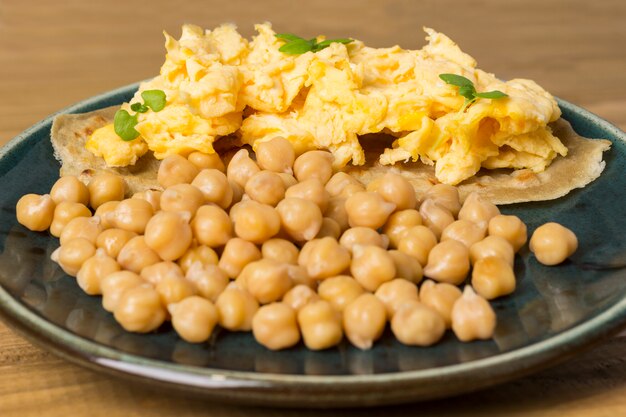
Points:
x=554, y=313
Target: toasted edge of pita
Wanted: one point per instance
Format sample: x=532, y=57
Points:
x=582, y=165
x=69, y=135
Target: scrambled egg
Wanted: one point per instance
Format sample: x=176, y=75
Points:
x=217, y=83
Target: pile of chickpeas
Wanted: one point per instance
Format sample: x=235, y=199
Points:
x=288, y=248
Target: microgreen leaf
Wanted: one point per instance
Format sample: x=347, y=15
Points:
x=139, y=108
x=288, y=37
x=124, y=125
x=458, y=80
x=492, y=94
x=296, y=47
x=155, y=99
x=467, y=91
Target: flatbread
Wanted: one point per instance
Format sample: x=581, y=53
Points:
x=582, y=165
x=69, y=135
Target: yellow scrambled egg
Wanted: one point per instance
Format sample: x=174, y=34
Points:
x=326, y=99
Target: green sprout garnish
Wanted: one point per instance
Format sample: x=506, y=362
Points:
x=295, y=45
x=467, y=89
x=124, y=123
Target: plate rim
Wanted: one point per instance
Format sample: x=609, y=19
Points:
x=502, y=366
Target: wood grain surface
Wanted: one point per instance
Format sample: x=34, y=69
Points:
x=53, y=54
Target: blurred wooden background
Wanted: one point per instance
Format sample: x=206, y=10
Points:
x=53, y=54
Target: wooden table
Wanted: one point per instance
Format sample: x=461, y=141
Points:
x=53, y=54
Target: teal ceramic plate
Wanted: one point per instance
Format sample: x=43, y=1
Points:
x=554, y=313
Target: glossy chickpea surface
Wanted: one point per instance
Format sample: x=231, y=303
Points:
x=300, y=218
x=211, y=226
x=368, y=209
x=197, y=253
x=241, y=168
x=395, y=189
x=168, y=234
x=266, y=187
x=255, y=222
x=209, y=280
x=176, y=169
x=552, y=243
x=113, y=286
x=73, y=254
x=299, y=296
x=510, y=228
x=314, y=164
x=398, y=223
x=372, y=266
x=492, y=246
x=93, y=270
x=113, y=240
x=65, y=211
x=324, y=258
x=181, y=197
x=340, y=291
x=440, y=297
x=280, y=250
x=193, y=318
x=35, y=212
x=275, y=326
x=105, y=187
x=320, y=325
x=139, y=309
x=216, y=188
x=472, y=317
x=276, y=154
x=236, y=309
x=207, y=161
x=236, y=255
x=417, y=242
x=395, y=293
x=416, y=324
x=71, y=189
x=448, y=262
x=493, y=277
x=364, y=320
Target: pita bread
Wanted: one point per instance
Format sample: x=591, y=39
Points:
x=582, y=165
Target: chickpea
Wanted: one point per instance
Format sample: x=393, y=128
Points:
x=301, y=219
x=182, y=197
x=398, y=223
x=552, y=243
x=241, y=168
x=132, y=215
x=416, y=324
x=70, y=189
x=324, y=258
x=493, y=277
x=368, y=210
x=463, y=231
x=136, y=255
x=87, y=227
x=102, y=212
x=510, y=228
x=299, y=296
x=364, y=320
x=492, y=246
x=201, y=253
x=395, y=293
x=280, y=250
x=151, y=196
x=314, y=164
x=209, y=280
x=440, y=297
x=363, y=236
x=236, y=255
x=320, y=325
x=207, y=161
x=339, y=181
x=175, y=169
x=417, y=242
x=472, y=317
x=35, y=212
x=478, y=210
x=396, y=189
x=276, y=155
x=448, y=262
x=236, y=308
x=157, y=272
x=255, y=222
x=114, y=285
x=193, y=318
x=340, y=291
x=266, y=187
x=139, y=309
x=238, y=192
x=73, y=254
x=173, y=289
x=105, y=187
x=435, y=217
x=169, y=234
x=216, y=188
x=330, y=228
x=311, y=189
x=407, y=267
x=372, y=266
x=94, y=270
x=266, y=279
x=211, y=226
x=63, y=213
x=446, y=196
x=113, y=240
x=275, y=326
x=288, y=179
x=336, y=210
